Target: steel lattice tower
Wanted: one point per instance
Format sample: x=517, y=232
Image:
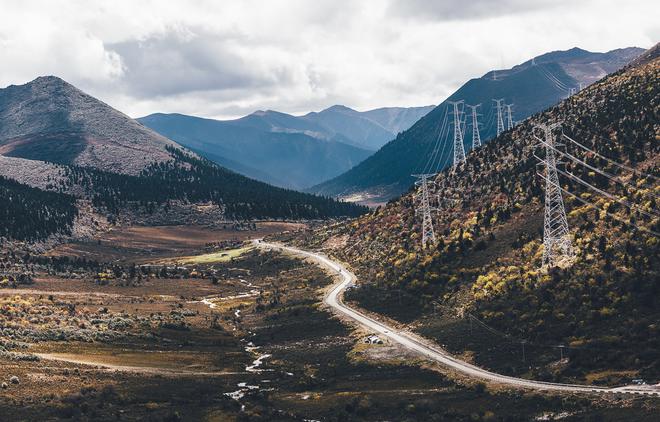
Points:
x=459, y=149
x=476, y=138
x=557, y=247
x=509, y=117
x=425, y=208
x=500, y=120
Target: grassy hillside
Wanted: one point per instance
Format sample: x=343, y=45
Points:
x=604, y=308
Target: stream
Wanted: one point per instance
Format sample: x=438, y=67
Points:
x=244, y=387
x=255, y=367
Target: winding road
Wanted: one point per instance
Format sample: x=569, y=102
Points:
x=430, y=350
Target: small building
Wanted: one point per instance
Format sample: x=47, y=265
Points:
x=373, y=339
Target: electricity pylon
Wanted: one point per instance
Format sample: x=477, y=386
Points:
x=557, y=247
x=459, y=149
x=571, y=92
x=476, y=138
x=500, y=120
x=425, y=208
x=509, y=117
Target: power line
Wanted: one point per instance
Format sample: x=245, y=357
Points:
x=439, y=139
x=434, y=145
x=553, y=79
x=463, y=122
x=607, y=140
x=630, y=169
x=607, y=194
x=591, y=204
x=597, y=170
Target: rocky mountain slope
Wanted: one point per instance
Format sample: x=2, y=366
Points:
x=531, y=87
x=50, y=119
x=289, y=151
x=485, y=269
x=78, y=151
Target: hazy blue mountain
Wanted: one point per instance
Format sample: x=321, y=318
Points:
x=272, y=147
x=369, y=129
x=285, y=150
x=531, y=87
x=397, y=119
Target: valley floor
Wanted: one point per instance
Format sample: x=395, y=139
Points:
x=240, y=334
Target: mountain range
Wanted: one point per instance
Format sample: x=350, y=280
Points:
x=54, y=137
x=531, y=87
x=285, y=150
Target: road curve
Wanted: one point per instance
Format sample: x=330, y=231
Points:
x=431, y=350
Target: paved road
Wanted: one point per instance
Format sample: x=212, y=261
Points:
x=430, y=350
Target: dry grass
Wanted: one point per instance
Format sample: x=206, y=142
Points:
x=210, y=258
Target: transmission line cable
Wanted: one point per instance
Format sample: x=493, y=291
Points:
x=609, y=195
x=614, y=216
x=431, y=145
x=609, y=160
x=607, y=140
x=597, y=170
x=441, y=135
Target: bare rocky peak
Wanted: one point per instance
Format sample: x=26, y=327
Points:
x=647, y=56
x=584, y=67
x=50, y=119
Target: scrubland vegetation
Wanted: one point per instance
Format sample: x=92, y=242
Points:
x=604, y=308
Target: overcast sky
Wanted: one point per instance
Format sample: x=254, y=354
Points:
x=228, y=58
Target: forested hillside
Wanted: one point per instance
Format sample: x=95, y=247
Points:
x=194, y=180
x=603, y=309
x=29, y=214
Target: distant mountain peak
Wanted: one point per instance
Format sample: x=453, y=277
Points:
x=48, y=79
x=49, y=119
x=339, y=108
x=43, y=82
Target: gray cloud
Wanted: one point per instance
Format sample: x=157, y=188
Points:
x=450, y=10
x=228, y=58
x=174, y=63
